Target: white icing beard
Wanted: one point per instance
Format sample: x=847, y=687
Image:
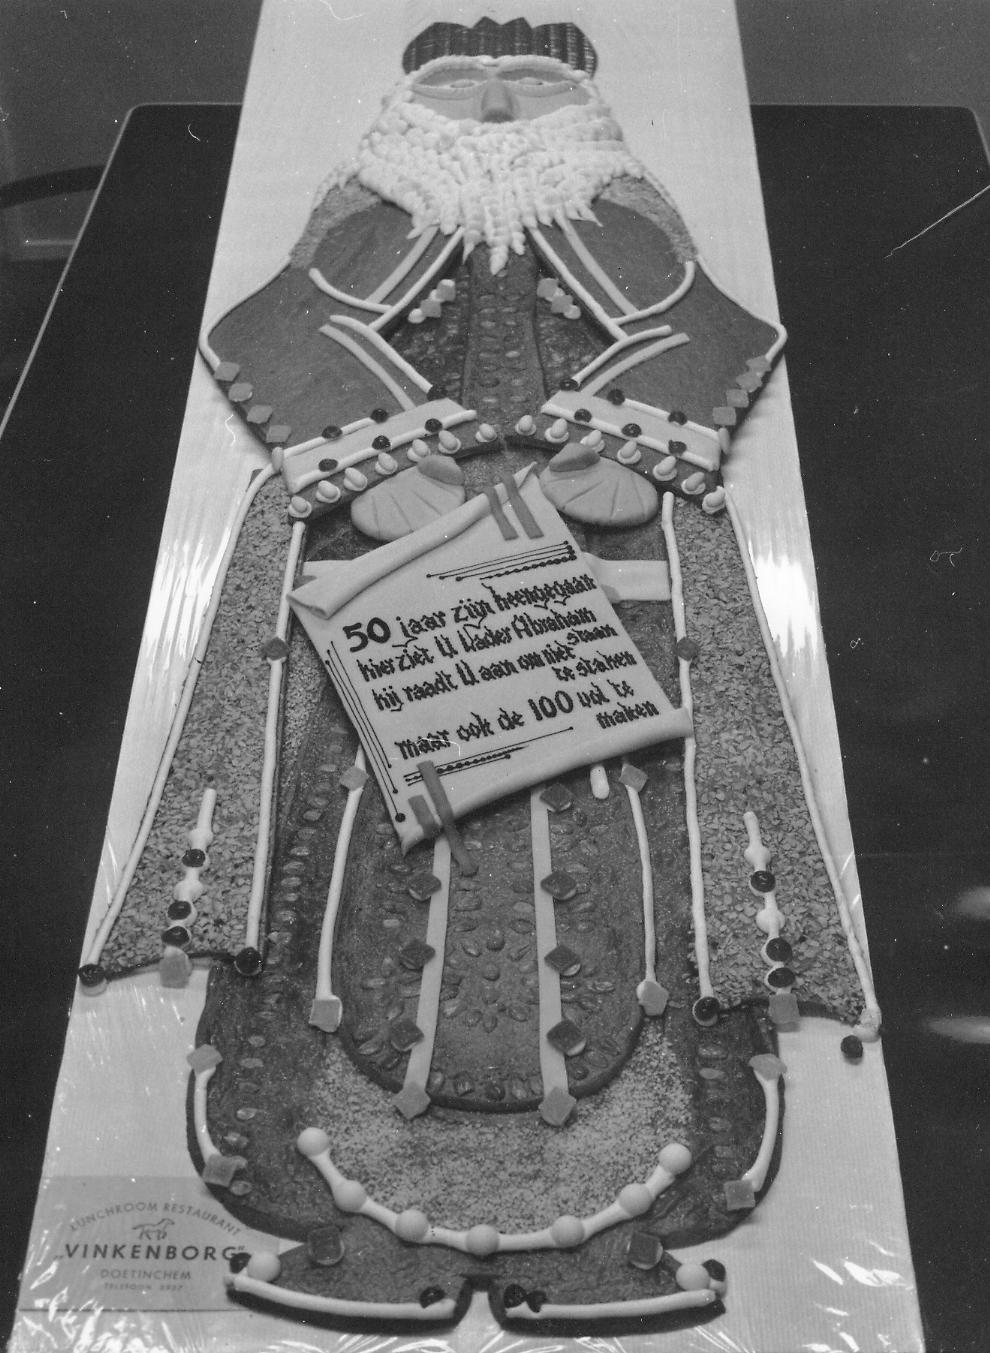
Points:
x=493, y=179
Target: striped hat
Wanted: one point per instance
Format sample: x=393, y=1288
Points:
x=563, y=41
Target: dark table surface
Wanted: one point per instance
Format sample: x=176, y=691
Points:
x=888, y=309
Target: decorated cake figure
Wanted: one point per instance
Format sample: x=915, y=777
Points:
x=507, y=1018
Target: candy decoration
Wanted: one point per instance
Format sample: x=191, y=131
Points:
x=174, y=967
x=264, y=1266
x=776, y=951
x=324, y=1246
x=705, y=1011
x=249, y=962
x=92, y=979
x=692, y=1277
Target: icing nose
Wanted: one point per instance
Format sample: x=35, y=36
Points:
x=496, y=103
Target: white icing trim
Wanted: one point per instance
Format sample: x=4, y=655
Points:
x=651, y=411
x=603, y=1310
x=405, y=301
x=396, y=275
x=269, y=767
x=497, y=1242
x=328, y=289
x=366, y=360
x=369, y=1310
x=591, y=264
x=773, y=351
x=306, y=478
x=370, y=335
x=856, y=952
x=324, y=962
x=635, y=359
x=629, y=341
x=662, y=306
x=207, y=1147
x=758, y=857
x=757, y=1172
x=178, y=723
x=700, y=920
x=428, y=1007
x=646, y=873
x=564, y=274
x=317, y=443
x=553, y=1068
x=706, y=453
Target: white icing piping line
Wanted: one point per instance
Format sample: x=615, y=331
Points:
x=207, y=1147
x=300, y=448
x=412, y=257
x=645, y=1306
x=553, y=1068
x=327, y=1009
x=318, y=280
x=634, y=359
x=622, y=345
x=178, y=723
x=369, y=1310
x=690, y=756
x=869, y=1025
x=422, y=282
x=704, y=461
x=646, y=868
x=757, y=1172
x=700, y=264
x=344, y=462
x=592, y=266
x=564, y=274
x=365, y=358
x=757, y=856
x=414, y=1093
x=414, y=1227
x=269, y=766
x=661, y=307
x=370, y=335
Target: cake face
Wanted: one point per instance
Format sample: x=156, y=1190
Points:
x=499, y=830
x=506, y=89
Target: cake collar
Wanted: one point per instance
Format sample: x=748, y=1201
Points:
x=562, y=41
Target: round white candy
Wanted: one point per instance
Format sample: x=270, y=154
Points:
x=312, y=1142
x=264, y=1267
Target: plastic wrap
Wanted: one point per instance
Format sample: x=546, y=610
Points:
x=823, y=1263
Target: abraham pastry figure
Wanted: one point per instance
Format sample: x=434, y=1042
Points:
x=496, y=997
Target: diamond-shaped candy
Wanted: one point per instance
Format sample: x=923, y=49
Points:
x=559, y=885
x=404, y=1034
x=415, y=955
x=557, y=797
x=739, y=1195
x=220, y=1170
x=564, y=960
x=422, y=886
x=567, y=1038
x=557, y=1106
x=645, y=1250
